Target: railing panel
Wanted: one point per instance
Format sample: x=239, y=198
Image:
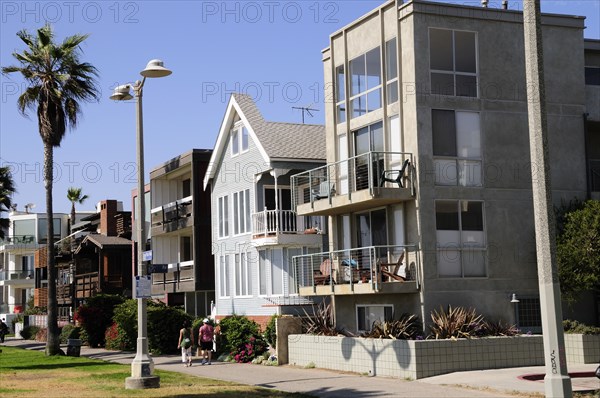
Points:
x=269, y=222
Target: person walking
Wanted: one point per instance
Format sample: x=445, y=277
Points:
x=205, y=337
x=186, y=341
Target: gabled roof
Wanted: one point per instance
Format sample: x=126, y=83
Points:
x=275, y=140
x=103, y=241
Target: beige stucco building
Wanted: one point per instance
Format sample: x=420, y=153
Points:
x=429, y=173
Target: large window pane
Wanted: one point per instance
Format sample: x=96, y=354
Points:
x=467, y=135
x=374, y=100
x=373, y=60
x=473, y=263
x=446, y=172
x=43, y=230
x=440, y=49
x=442, y=83
x=446, y=216
x=449, y=263
x=358, y=73
x=469, y=173
x=464, y=46
x=235, y=148
x=244, y=139
x=341, y=113
x=471, y=215
x=262, y=273
x=391, y=58
x=26, y=228
x=392, y=92
x=361, y=141
x=359, y=106
x=466, y=86
x=377, y=137
x=444, y=132
x=340, y=83
x=277, y=271
x=236, y=217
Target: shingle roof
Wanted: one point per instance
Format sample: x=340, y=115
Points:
x=284, y=140
x=103, y=240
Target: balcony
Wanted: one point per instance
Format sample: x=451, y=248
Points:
x=361, y=182
x=172, y=216
x=19, y=242
x=86, y=285
x=280, y=227
x=17, y=278
x=364, y=270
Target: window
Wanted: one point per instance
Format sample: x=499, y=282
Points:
x=23, y=230
x=276, y=271
x=243, y=275
x=241, y=212
x=592, y=75
x=368, y=139
x=186, y=188
x=453, y=62
x=223, y=203
x=224, y=276
x=43, y=230
x=262, y=273
x=366, y=315
x=365, y=73
x=292, y=284
x=340, y=94
x=186, y=249
x=460, y=239
x=529, y=316
x=391, y=68
x=456, y=148
x=239, y=140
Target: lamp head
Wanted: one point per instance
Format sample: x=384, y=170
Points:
x=155, y=68
x=514, y=299
x=121, y=93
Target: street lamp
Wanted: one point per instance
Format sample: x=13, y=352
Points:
x=142, y=365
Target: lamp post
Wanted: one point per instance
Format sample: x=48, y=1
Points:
x=142, y=365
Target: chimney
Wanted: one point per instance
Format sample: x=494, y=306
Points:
x=108, y=223
x=505, y=4
x=484, y=3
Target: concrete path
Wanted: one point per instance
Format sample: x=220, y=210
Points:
x=325, y=383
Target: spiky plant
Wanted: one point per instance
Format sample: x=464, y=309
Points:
x=408, y=327
x=500, y=328
x=457, y=322
x=321, y=321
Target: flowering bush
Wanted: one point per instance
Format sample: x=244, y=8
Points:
x=256, y=346
x=117, y=339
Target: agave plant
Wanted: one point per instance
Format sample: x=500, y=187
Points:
x=457, y=322
x=408, y=327
x=500, y=329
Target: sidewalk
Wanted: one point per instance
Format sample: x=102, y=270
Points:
x=325, y=383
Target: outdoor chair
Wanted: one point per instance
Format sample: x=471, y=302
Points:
x=387, y=174
x=322, y=276
x=324, y=191
x=392, y=274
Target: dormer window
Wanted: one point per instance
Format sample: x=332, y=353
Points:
x=239, y=140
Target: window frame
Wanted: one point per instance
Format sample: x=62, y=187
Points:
x=241, y=211
x=369, y=90
x=457, y=159
x=223, y=216
x=243, y=286
x=240, y=141
x=460, y=246
x=390, y=82
x=454, y=73
x=224, y=272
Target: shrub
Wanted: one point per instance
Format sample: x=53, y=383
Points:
x=96, y=316
x=241, y=337
x=457, y=322
x=69, y=332
x=42, y=335
x=164, y=324
x=117, y=339
x=499, y=328
x=321, y=321
x=29, y=332
x=271, y=331
x=408, y=327
x=576, y=327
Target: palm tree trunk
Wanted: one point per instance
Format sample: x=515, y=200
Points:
x=53, y=343
x=72, y=216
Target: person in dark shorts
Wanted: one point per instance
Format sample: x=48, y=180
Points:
x=206, y=335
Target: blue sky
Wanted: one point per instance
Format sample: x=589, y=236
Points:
x=270, y=50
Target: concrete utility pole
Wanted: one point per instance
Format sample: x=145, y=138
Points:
x=557, y=381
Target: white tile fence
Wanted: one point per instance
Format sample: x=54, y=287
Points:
x=418, y=359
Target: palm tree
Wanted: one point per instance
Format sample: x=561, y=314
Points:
x=74, y=195
x=7, y=189
x=57, y=81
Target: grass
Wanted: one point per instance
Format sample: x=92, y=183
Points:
x=25, y=373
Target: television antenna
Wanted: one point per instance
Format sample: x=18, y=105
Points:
x=305, y=109
x=29, y=206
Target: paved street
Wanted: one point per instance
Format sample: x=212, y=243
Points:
x=325, y=383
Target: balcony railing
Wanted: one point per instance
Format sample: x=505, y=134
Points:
x=374, y=266
x=15, y=275
x=367, y=171
x=275, y=222
x=172, y=212
x=18, y=240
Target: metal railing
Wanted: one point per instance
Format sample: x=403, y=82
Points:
x=170, y=212
x=357, y=266
x=344, y=177
x=274, y=222
x=15, y=275
x=18, y=240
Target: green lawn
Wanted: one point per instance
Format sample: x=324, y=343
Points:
x=26, y=373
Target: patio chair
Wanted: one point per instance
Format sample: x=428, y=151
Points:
x=322, y=276
x=324, y=191
x=392, y=275
x=386, y=175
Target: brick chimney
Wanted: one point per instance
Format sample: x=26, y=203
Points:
x=108, y=222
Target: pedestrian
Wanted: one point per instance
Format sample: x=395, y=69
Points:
x=3, y=330
x=206, y=335
x=186, y=341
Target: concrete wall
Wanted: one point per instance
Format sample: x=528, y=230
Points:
x=418, y=359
